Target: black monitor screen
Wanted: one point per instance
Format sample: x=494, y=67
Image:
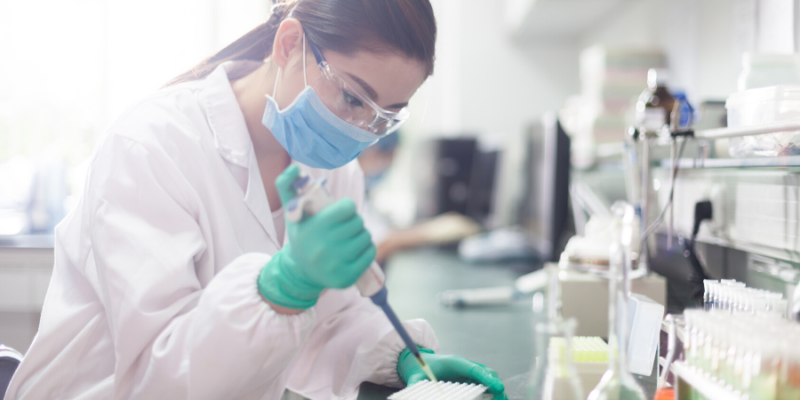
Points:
x=546, y=210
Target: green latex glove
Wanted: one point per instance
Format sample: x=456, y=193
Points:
x=327, y=250
x=450, y=369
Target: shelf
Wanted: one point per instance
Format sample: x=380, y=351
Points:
x=528, y=19
x=749, y=162
x=709, y=389
x=722, y=133
x=752, y=162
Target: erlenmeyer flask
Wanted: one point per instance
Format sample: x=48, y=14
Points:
x=618, y=383
x=554, y=374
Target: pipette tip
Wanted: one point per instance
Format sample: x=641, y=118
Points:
x=427, y=369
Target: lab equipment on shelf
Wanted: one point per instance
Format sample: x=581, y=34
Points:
x=655, y=104
x=686, y=115
x=728, y=294
x=761, y=106
x=741, y=354
x=427, y=390
x=312, y=197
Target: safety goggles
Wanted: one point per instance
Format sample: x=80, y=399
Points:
x=350, y=103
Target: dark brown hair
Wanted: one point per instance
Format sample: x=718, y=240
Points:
x=344, y=26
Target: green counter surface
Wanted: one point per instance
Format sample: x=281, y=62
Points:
x=501, y=337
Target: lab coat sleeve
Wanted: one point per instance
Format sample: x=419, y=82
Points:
x=177, y=335
x=352, y=343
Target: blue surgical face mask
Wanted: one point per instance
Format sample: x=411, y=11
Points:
x=311, y=133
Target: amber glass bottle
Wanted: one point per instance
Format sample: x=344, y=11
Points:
x=655, y=103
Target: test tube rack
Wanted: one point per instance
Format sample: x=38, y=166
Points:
x=427, y=390
x=691, y=377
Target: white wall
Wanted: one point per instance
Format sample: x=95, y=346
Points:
x=487, y=84
x=703, y=39
x=484, y=83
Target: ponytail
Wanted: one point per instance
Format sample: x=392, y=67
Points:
x=255, y=45
x=344, y=26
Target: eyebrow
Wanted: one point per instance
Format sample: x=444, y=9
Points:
x=371, y=92
x=398, y=105
x=364, y=85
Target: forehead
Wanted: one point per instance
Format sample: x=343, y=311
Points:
x=394, y=77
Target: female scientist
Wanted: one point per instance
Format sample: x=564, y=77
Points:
x=177, y=276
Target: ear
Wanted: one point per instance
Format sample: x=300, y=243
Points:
x=288, y=41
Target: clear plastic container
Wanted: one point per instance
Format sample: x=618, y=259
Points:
x=554, y=375
x=763, y=106
x=765, y=69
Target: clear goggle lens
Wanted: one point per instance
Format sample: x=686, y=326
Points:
x=350, y=104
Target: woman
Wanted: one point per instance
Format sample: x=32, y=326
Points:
x=177, y=275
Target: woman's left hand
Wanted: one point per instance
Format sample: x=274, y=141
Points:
x=449, y=368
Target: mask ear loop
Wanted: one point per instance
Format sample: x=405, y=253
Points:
x=275, y=88
x=305, y=71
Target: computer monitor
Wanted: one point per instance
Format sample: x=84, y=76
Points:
x=455, y=174
x=545, y=211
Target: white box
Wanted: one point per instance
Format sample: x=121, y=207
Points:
x=585, y=297
x=644, y=322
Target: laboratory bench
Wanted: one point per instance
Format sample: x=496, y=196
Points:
x=501, y=337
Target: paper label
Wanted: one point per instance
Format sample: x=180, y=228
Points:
x=652, y=119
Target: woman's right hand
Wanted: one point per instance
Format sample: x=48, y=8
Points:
x=328, y=250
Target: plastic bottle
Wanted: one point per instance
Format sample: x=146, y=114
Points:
x=687, y=114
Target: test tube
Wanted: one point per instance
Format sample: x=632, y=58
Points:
x=707, y=296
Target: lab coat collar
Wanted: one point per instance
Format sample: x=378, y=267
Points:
x=233, y=143
x=225, y=118
x=256, y=200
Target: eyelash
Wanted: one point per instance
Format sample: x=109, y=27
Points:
x=351, y=100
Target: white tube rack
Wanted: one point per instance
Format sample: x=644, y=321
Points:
x=708, y=388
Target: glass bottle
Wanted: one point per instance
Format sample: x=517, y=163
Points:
x=617, y=383
x=655, y=104
x=554, y=374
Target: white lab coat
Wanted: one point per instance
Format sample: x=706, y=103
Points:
x=153, y=294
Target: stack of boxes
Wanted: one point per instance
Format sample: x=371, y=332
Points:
x=611, y=80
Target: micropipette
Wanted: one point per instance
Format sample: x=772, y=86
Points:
x=311, y=198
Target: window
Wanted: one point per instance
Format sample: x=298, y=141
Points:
x=67, y=68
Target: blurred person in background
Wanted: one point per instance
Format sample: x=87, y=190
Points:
x=177, y=275
x=376, y=162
